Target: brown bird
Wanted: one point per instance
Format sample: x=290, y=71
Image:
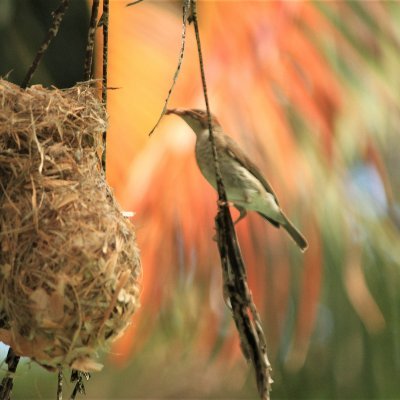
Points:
x=244, y=183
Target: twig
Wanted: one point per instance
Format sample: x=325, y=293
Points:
x=221, y=190
x=186, y=6
x=133, y=3
x=244, y=311
x=77, y=376
x=58, y=16
x=90, y=42
x=59, y=383
x=7, y=383
x=105, y=18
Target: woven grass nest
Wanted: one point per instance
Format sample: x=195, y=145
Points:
x=69, y=264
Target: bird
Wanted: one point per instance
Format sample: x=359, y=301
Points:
x=244, y=183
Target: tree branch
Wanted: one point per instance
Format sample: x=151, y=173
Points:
x=58, y=16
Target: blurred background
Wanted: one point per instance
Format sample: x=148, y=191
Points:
x=311, y=90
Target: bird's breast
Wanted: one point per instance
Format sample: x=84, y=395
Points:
x=205, y=159
x=237, y=179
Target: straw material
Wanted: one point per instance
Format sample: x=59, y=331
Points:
x=69, y=265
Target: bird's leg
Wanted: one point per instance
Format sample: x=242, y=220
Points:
x=242, y=214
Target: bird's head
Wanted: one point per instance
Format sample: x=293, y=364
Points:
x=196, y=119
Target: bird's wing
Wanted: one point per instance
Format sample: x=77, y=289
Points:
x=234, y=151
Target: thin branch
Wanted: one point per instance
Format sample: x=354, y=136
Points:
x=239, y=297
x=58, y=16
x=90, y=42
x=105, y=18
x=133, y=3
x=186, y=6
x=7, y=383
x=221, y=190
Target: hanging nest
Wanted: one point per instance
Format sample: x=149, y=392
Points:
x=69, y=264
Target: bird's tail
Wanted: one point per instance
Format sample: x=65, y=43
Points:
x=294, y=233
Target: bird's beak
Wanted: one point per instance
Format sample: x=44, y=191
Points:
x=175, y=111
